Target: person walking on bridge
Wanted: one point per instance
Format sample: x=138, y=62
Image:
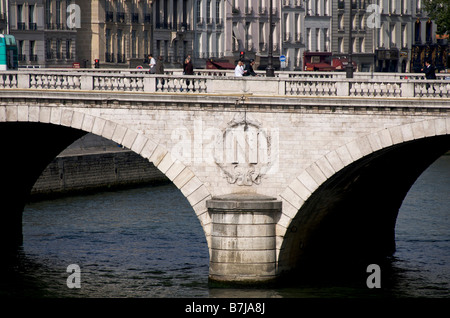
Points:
x=239, y=69
x=248, y=69
x=430, y=73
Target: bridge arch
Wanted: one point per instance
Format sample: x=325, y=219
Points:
x=346, y=203
x=182, y=176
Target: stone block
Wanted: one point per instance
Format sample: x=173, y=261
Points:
x=166, y=163
x=292, y=198
x=88, y=123
x=183, y=177
x=33, y=114
x=119, y=133
x=407, y=132
x=429, y=128
x=325, y=166
x=190, y=186
x=139, y=143
x=108, y=129
x=396, y=134
x=334, y=160
x=344, y=154
x=55, y=116
x=157, y=155
x=300, y=189
x=22, y=113
x=198, y=195
x=99, y=125
x=11, y=113
x=441, y=126
x=385, y=138
x=66, y=117
x=418, y=130
x=129, y=138
x=175, y=170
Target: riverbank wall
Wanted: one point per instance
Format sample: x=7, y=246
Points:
x=91, y=165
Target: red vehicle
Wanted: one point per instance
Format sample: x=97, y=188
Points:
x=324, y=62
x=222, y=64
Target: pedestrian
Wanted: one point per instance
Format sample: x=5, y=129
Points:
x=159, y=69
x=186, y=61
x=152, y=64
x=430, y=73
x=239, y=69
x=189, y=70
x=248, y=69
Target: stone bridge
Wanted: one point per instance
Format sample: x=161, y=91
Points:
x=283, y=173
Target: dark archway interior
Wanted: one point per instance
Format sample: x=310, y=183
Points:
x=350, y=220
x=27, y=149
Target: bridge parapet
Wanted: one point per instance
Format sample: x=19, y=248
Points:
x=379, y=87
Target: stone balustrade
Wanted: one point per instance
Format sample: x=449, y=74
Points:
x=285, y=84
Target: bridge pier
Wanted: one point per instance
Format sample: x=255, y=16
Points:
x=243, y=248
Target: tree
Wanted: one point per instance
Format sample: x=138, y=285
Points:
x=439, y=11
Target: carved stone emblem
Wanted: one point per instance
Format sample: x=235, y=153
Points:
x=248, y=151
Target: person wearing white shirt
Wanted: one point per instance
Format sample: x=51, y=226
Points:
x=152, y=64
x=239, y=70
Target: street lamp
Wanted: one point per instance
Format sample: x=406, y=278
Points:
x=270, y=72
x=349, y=68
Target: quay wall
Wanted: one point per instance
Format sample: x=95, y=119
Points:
x=82, y=170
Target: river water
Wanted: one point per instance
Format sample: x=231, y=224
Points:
x=147, y=242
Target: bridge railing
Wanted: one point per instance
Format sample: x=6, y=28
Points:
x=393, y=87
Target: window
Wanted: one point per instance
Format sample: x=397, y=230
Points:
x=58, y=14
x=58, y=49
x=31, y=23
x=341, y=45
x=208, y=12
x=318, y=40
x=218, y=11
x=48, y=49
x=308, y=39
x=69, y=49
x=146, y=43
x=133, y=44
x=199, y=11
x=404, y=36
x=20, y=23
x=341, y=22
x=362, y=45
x=32, y=50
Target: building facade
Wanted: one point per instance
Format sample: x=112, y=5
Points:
x=173, y=30
x=247, y=29
x=44, y=37
x=117, y=33
x=386, y=35
x=4, y=9
x=293, y=26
